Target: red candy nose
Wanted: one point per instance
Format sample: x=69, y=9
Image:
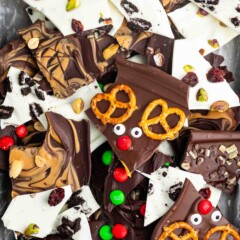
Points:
x=204, y=207
x=124, y=143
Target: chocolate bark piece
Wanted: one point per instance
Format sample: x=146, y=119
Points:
x=171, y=5
x=16, y=54
x=158, y=160
x=220, y=165
x=152, y=84
x=209, y=120
x=63, y=159
x=214, y=59
x=159, y=51
x=185, y=209
x=69, y=63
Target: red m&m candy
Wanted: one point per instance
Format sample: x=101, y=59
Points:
x=204, y=207
x=142, y=209
x=124, y=143
x=21, y=131
x=120, y=175
x=119, y=231
x=6, y=142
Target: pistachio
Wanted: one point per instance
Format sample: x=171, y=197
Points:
x=214, y=43
x=78, y=105
x=159, y=59
x=188, y=68
x=39, y=127
x=16, y=169
x=31, y=229
x=33, y=43
x=219, y=106
x=231, y=149
x=72, y=4
x=110, y=51
x=185, y=165
x=202, y=95
x=39, y=161
x=222, y=148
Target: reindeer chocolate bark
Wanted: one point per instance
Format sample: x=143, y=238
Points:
x=193, y=217
x=214, y=154
x=143, y=107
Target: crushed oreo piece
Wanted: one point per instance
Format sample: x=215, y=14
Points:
x=29, y=82
x=75, y=200
x=39, y=94
x=35, y=110
x=138, y=25
x=215, y=2
x=129, y=7
x=174, y=191
x=235, y=21
x=238, y=8
x=30, y=11
x=21, y=78
x=5, y=112
x=164, y=174
x=25, y=91
x=69, y=228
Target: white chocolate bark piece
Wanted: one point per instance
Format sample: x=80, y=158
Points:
x=21, y=112
x=223, y=11
x=200, y=29
x=34, y=15
x=88, y=13
x=185, y=53
x=151, y=11
x=158, y=200
x=34, y=209
x=74, y=214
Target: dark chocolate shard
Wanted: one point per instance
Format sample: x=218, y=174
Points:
x=6, y=112
x=138, y=25
x=186, y=209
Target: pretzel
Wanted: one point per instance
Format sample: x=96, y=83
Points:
x=162, y=119
x=226, y=230
x=130, y=106
x=168, y=232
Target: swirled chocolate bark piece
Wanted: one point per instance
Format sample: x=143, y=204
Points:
x=158, y=160
x=210, y=120
x=171, y=5
x=159, y=52
x=189, y=211
x=214, y=155
x=152, y=84
x=16, y=54
x=63, y=159
x=69, y=63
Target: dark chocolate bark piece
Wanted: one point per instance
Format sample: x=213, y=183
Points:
x=214, y=155
x=186, y=209
x=152, y=84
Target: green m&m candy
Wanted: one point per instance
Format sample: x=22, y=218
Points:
x=101, y=86
x=105, y=232
x=117, y=197
x=107, y=157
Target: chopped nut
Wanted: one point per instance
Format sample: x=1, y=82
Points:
x=201, y=151
x=188, y=68
x=221, y=160
x=229, y=162
x=124, y=41
x=222, y=148
x=226, y=174
x=110, y=51
x=214, y=43
x=232, y=180
x=159, y=59
x=196, y=147
x=213, y=151
x=207, y=153
x=33, y=43
x=200, y=160
x=39, y=161
x=72, y=4
x=16, y=169
x=202, y=95
x=213, y=175
x=150, y=50
x=238, y=163
x=193, y=155
x=219, y=106
x=77, y=105
x=231, y=149
x=39, y=127
x=202, y=51
x=31, y=229
x=185, y=165
x=232, y=155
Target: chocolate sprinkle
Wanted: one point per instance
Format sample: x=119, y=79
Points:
x=5, y=112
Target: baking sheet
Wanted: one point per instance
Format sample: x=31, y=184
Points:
x=13, y=17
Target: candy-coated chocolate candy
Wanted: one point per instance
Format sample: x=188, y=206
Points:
x=117, y=197
x=205, y=207
x=120, y=175
x=105, y=232
x=119, y=231
x=142, y=209
x=6, y=142
x=107, y=157
x=124, y=143
x=21, y=131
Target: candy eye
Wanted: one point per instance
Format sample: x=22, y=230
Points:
x=119, y=129
x=136, y=132
x=216, y=216
x=196, y=219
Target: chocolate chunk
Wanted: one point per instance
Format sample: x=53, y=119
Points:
x=77, y=26
x=174, y=191
x=129, y=7
x=191, y=79
x=235, y=21
x=138, y=25
x=35, y=110
x=39, y=94
x=228, y=75
x=25, y=91
x=5, y=112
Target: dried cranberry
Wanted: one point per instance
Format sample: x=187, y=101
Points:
x=191, y=79
x=203, y=12
x=215, y=75
x=205, y=193
x=235, y=21
x=56, y=196
x=77, y=26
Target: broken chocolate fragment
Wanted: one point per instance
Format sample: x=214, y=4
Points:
x=138, y=25
x=5, y=112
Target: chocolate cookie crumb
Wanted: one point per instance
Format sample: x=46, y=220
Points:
x=39, y=94
x=5, y=112
x=138, y=25
x=25, y=91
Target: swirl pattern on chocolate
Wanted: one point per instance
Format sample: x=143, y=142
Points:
x=63, y=159
x=171, y=5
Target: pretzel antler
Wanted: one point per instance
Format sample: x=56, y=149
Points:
x=226, y=230
x=168, y=232
x=162, y=120
x=130, y=106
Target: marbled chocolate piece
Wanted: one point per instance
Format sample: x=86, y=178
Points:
x=16, y=54
x=152, y=84
x=186, y=210
x=69, y=63
x=214, y=155
x=63, y=159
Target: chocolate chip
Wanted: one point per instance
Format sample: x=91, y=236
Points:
x=235, y=21
x=35, y=110
x=220, y=160
x=25, y=91
x=190, y=79
x=174, y=191
x=129, y=7
x=138, y=25
x=5, y=112
x=164, y=174
x=200, y=160
x=77, y=26
x=39, y=94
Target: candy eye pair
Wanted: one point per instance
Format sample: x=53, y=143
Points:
x=196, y=219
x=119, y=129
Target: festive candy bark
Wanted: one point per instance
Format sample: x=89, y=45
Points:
x=171, y=5
x=193, y=217
x=126, y=112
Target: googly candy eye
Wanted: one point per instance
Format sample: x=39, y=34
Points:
x=119, y=129
x=216, y=216
x=136, y=132
x=196, y=219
